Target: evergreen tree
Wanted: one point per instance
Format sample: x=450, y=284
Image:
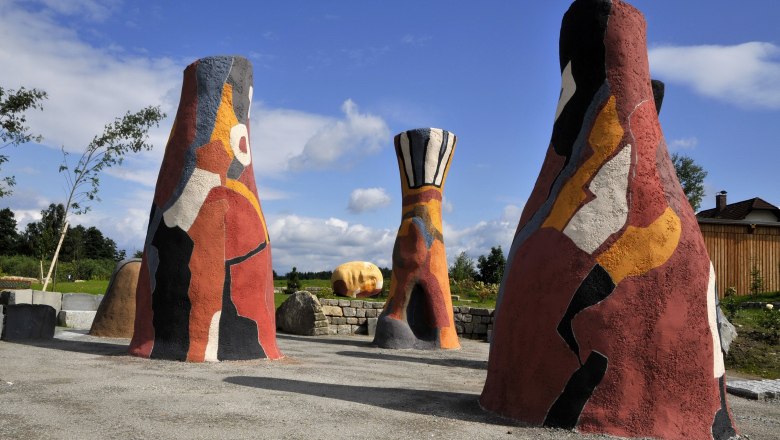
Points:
x=9, y=237
x=491, y=268
x=691, y=178
x=463, y=268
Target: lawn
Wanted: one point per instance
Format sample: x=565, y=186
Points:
x=756, y=351
x=95, y=287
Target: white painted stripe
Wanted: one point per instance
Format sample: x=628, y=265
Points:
x=446, y=159
x=212, y=346
x=568, y=87
x=407, y=159
x=606, y=214
x=432, y=151
x=719, y=368
x=236, y=133
x=184, y=212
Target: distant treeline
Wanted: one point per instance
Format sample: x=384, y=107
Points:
x=324, y=275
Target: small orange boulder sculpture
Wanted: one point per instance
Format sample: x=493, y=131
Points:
x=357, y=279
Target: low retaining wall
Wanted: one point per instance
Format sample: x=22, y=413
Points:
x=346, y=317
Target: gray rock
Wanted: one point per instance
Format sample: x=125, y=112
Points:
x=345, y=329
x=466, y=317
x=81, y=301
x=76, y=319
x=16, y=296
x=53, y=299
x=754, y=389
x=28, y=321
x=356, y=304
x=727, y=331
x=349, y=311
x=297, y=313
x=480, y=312
x=480, y=329
x=343, y=303
x=377, y=305
x=352, y=321
x=371, y=313
x=361, y=313
x=371, y=326
x=332, y=311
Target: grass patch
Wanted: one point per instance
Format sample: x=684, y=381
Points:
x=95, y=287
x=756, y=350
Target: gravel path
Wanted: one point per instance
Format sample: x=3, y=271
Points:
x=81, y=387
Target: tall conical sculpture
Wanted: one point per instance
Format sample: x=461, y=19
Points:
x=606, y=319
x=418, y=313
x=205, y=290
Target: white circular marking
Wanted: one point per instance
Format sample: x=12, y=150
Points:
x=237, y=132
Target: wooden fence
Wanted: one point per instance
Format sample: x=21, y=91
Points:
x=737, y=248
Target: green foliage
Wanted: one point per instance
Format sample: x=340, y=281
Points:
x=85, y=269
x=770, y=321
x=293, y=282
x=13, y=131
x=756, y=281
x=40, y=238
x=491, y=267
x=9, y=238
x=463, y=268
x=691, y=178
x=95, y=287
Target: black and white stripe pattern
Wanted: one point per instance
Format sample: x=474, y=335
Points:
x=424, y=154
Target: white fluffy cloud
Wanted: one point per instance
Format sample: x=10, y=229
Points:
x=368, y=199
x=688, y=143
x=746, y=74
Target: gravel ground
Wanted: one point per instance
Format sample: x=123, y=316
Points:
x=81, y=387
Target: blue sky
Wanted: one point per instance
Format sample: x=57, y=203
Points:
x=335, y=81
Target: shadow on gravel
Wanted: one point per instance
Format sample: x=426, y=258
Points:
x=457, y=406
x=96, y=348
x=323, y=340
x=462, y=363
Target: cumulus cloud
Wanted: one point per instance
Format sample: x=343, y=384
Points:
x=746, y=74
x=97, y=10
x=340, y=140
x=368, y=199
x=313, y=244
x=688, y=143
x=87, y=86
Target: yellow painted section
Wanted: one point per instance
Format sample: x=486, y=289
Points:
x=226, y=119
x=604, y=139
x=640, y=250
x=240, y=188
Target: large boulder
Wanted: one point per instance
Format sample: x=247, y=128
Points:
x=301, y=314
x=357, y=279
x=116, y=315
x=29, y=321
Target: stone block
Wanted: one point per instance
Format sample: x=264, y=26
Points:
x=456, y=309
x=459, y=328
x=80, y=301
x=480, y=312
x=320, y=324
x=490, y=335
x=371, y=326
x=348, y=311
x=361, y=321
x=332, y=311
x=2, y=320
x=321, y=331
x=333, y=330
x=465, y=317
x=754, y=389
x=457, y=317
x=361, y=313
x=371, y=313
x=76, y=319
x=354, y=329
x=361, y=330
x=480, y=329
x=28, y=321
x=343, y=303
x=339, y=321
x=16, y=296
x=356, y=304
x=53, y=299
x=352, y=321
x=377, y=305
x=344, y=330
x=465, y=310
x=319, y=316
x=468, y=328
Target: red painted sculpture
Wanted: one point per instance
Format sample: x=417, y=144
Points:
x=606, y=318
x=205, y=290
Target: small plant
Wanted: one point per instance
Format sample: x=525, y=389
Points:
x=756, y=281
x=731, y=291
x=770, y=321
x=730, y=305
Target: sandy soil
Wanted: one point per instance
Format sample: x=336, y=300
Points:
x=81, y=387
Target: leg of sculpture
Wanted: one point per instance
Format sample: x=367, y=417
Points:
x=205, y=290
x=418, y=313
x=606, y=314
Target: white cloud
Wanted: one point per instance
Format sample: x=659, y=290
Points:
x=446, y=205
x=97, y=10
x=87, y=86
x=338, y=141
x=746, y=74
x=313, y=244
x=368, y=199
x=688, y=143
x=477, y=240
x=415, y=40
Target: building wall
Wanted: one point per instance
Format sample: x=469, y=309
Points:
x=736, y=248
x=761, y=215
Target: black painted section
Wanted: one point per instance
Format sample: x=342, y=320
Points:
x=170, y=300
x=722, y=426
x=581, y=42
x=240, y=78
x=418, y=315
x=418, y=145
x=28, y=321
x=238, y=338
x=659, y=89
x=565, y=412
x=596, y=287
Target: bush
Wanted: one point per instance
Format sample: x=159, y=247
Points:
x=86, y=269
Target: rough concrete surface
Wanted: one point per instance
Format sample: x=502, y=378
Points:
x=79, y=386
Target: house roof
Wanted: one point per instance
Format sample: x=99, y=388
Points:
x=740, y=210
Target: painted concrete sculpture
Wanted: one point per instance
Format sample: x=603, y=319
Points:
x=205, y=290
x=357, y=279
x=418, y=313
x=115, y=317
x=606, y=318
